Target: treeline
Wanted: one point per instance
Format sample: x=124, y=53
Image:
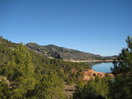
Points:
x=25, y=74
x=106, y=88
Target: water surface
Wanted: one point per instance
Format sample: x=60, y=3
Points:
x=103, y=67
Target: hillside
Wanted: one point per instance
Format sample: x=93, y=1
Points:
x=24, y=74
x=53, y=51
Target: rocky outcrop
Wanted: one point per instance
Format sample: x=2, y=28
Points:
x=62, y=53
x=90, y=73
x=3, y=78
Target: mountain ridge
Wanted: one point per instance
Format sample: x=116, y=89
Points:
x=54, y=51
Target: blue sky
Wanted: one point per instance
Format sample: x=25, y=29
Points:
x=95, y=26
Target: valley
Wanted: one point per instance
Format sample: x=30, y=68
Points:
x=30, y=71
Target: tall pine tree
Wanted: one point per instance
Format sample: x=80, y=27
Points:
x=121, y=88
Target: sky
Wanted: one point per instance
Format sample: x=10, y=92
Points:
x=95, y=26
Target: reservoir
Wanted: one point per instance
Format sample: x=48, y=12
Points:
x=103, y=67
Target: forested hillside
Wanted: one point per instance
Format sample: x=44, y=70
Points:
x=25, y=74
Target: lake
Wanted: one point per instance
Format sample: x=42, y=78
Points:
x=103, y=67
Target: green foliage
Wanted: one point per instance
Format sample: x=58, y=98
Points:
x=124, y=62
x=19, y=70
x=94, y=89
x=50, y=87
x=121, y=88
x=4, y=89
x=32, y=75
x=64, y=69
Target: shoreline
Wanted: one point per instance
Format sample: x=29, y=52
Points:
x=89, y=61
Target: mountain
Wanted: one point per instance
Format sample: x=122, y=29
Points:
x=53, y=51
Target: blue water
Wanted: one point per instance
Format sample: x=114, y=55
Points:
x=103, y=67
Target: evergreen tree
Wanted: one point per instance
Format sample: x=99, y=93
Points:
x=121, y=88
x=19, y=71
x=50, y=87
x=124, y=62
x=94, y=89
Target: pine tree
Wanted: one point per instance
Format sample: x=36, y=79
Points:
x=121, y=88
x=19, y=70
x=124, y=62
x=50, y=87
x=94, y=89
